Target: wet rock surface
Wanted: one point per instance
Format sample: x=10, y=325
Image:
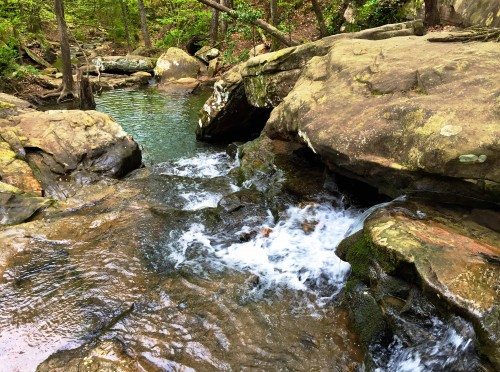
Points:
x=408, y=253
x=149, y=272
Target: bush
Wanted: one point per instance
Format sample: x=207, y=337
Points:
x=379, y=12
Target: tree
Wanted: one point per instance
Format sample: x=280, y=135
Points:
x=224, y=25
x=273, y=12
x=270, y=29
x=323, y=31
x=144, y=24
x=214, y=27
x=124, y=11
x=68, y=83
x=431, y=13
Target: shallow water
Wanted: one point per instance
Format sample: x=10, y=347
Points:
x=164, y=125
x=187, y=269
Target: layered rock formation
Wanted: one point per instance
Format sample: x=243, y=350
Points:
x=51, y=153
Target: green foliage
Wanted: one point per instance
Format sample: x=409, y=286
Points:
x=375, y=13
x=182, y=20
x=247, y=13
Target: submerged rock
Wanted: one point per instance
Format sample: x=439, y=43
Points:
x=443, y=252
x=63, y=148
x=108, y=355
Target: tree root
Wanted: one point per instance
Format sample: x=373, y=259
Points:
x=481, y=34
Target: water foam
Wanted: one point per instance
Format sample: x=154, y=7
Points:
x=200, y=199
x=297, y=252
x=445, y=349
x=203, y=165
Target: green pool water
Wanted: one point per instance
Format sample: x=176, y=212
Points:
x=164, y=125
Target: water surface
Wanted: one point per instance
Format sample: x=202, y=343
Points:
x=163, y=124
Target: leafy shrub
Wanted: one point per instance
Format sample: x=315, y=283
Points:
x=375, y=13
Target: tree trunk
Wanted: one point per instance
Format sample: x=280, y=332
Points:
x=273, y=12
x=125, y=24
x=431, y=13
x=270, y=29
x=323, y=31
x=144, y=24
x=224, y=23
x=338, y=18
x=87, y=101
x=214, y=27
x=68, y=83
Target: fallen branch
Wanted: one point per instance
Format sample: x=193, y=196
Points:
x=470, y=35
x=270, y=29
x=36, y=58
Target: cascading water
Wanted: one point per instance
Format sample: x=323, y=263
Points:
x=196, y=280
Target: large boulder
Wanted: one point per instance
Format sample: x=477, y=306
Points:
x=451, y=258
x=207, y=53
x=124, y=64
x=176, y=64
x=10, y=105
x=404, y=115
x=244, y=95
x=64, y=148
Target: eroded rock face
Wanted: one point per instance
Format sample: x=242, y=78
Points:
x=176, y=64
x=449, y=256
x=470, y=12
x=227, y=115
x=64, y=148
x=426, y=122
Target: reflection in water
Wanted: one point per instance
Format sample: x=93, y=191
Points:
x=151, y=263
x=164, y=125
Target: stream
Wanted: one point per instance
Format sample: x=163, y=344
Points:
x=187, y=270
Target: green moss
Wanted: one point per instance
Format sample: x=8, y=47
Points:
x=6, y=105
x=359, y=254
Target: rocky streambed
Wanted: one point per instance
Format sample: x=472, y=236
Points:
x=286, y=252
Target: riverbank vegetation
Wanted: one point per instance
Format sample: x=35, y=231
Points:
x=29, y=37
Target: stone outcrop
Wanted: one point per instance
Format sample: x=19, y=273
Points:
x=227, y=116
x=51, y=152
x=245, y=94
x=375, y=110
x=405, y=122
x=10, y=106
x=17, y=207
x=470, y=12
x=207, y=53
x=446, y=253
x=176, y=64
x=124, y=64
